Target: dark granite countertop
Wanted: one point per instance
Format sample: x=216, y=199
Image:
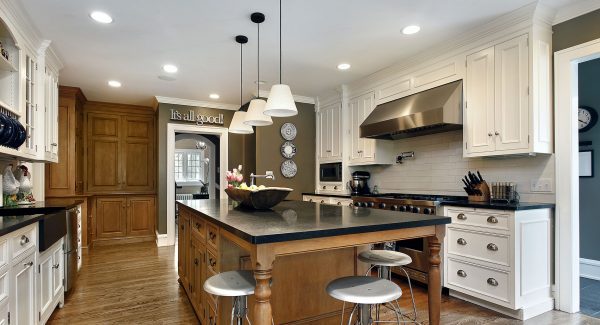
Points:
x=39, y=207
x=501, y=206
x=344, y=196
x=294, y=220
x=9, y=224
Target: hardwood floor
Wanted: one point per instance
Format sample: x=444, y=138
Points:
x=137, y=283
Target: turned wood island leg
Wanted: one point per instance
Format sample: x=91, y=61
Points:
x=263, y=268
x=435, y=281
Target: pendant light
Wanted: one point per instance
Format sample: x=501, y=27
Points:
x=255, y=115
x=237, y=122
x=281, y=101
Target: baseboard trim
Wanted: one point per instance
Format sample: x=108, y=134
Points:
x=589, y=269
x=525, y=313
x=162, y=240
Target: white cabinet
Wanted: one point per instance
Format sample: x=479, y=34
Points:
x=329, y=119
x=51, y=115
x=500, y=259
x=22, y=294
x=501, y=118
x=31, y=119
x=50, y=280
x=366, y=151
x=330, y=200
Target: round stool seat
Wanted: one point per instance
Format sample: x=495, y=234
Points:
x=364, y=290
x=384, y=258
x=231, y=284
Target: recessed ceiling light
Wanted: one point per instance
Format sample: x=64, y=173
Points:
x=411, y=29
x=114, y=83
x=343, y=66
x=170, y=68
x=101, y=17
x=214, y=96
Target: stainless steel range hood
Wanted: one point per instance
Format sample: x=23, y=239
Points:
x=432, y=111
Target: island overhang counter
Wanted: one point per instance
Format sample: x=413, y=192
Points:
x=286, y=243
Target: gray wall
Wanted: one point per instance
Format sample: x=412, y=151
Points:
x=589, y=188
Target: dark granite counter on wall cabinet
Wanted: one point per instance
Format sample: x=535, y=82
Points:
x=501, y=206
x=295, y=220
x=39, y=207
x=343, y=196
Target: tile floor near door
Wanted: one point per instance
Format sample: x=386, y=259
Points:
x=590, y=297
x=137, y=284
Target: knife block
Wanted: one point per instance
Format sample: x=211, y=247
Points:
x=485, y=193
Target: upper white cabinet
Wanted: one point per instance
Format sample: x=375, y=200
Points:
x=329, y=125
x=501, y=117
x=365, y=151
x=50, y=115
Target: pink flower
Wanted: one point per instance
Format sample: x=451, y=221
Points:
x=240, y=178
x=229, y=186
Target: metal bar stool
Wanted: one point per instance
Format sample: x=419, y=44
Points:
x=365, y=292
x=384, y=260
x=236, y=284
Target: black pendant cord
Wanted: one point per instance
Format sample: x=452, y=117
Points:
x=241, y=72
x=280, y=42
x=258, y=61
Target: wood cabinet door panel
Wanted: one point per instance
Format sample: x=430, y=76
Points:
x=103, y=166
x=59, y=180
x=111, y=217
x=183, y=242
x=479, y=88
x=138, y=153
x=141, y=216
x=103, y=125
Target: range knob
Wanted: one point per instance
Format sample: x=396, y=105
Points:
x=357, y=204
x=427, y=211
x=370, y=204
x=394, y=207
x=403, y=208
x=416, y=209
x=382, y=205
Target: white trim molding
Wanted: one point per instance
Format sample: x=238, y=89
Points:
x=195, y=103
x=567, y=171
x=297, y=98
x=589, y=269
x=575, y=9
x=162, y=239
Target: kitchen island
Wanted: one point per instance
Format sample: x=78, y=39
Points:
x=299, y=247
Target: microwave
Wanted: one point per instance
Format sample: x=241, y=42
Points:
x=331, y=172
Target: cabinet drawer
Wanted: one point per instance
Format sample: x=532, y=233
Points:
x=341, y=202
x=212, y=263
x=212, y=236
x=480, y=219
x=198, y=227
x=484, y=246
x=23, y=240
x=479, y=279
x=316, y=199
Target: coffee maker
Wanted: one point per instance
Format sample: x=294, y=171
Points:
x=359, y=183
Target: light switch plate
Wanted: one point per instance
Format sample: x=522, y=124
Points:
x=542, y=185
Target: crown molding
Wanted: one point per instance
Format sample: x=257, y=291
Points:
x=575, y=10
x=195, y=103
x=297, y=98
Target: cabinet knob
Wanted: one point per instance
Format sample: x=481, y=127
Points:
x=492, y=219
x=322, y=201
x=324, y=187
x=24, y=240
x=462, y=274
x=310, y=200
x=461, y=241
x=212, y=262
x=196, y=261
x=461, y=216
x=339, y=203
x=55, y=266
x=490, y=134
x=492, y=282
x=54, y=144
x=212, y=235
x=198, y=225
x=351, y=204
x=28, y=264
x=335, y=187
x=497, y=133
x=492, y=247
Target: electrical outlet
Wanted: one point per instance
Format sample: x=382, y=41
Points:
x=543, y=185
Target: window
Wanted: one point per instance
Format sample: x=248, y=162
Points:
x=189, y=166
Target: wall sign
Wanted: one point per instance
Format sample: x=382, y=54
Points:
x=199, y=119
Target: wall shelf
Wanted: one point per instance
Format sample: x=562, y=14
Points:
x=6, y=65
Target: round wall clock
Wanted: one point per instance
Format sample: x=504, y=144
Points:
x=288, y=150
x=289, y=169
x=288, y=131
x=587, y=117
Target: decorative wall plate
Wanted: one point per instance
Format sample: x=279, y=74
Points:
x=288, y=131
x=288, y=150
x=289, y=168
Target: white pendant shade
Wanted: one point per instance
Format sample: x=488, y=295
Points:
x=256, y=114
x=281, y=102
x=237, y=124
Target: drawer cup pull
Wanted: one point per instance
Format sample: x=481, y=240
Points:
x=492, y=220
x=462, y=274
x=24, y=240
x=462, y=241
x=461, y=216
x=492, y=282
x=322, y=201
x=212, y=262
x=492, y=247
x=339, y=203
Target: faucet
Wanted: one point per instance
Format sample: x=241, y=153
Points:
x=268, y=174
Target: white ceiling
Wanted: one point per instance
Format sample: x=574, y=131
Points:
x=197, y=36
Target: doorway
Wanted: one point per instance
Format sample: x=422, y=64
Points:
x=567, y=244
x=207, y=147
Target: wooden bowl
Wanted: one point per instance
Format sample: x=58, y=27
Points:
x=259, y=199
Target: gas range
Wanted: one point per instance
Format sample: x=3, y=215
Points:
x=415, y=203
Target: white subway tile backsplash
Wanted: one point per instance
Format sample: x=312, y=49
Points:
x=438, y=167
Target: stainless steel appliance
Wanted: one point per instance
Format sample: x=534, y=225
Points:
x=417, y=249
x=431, y=111
x=331, y=172
x=360, y=183
x=71, y=249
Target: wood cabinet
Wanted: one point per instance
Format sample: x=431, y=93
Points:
x=65, y=178
x=365, y=151
x=125, y=217
x=183, y=238
x=501, y=117
x=329, y=124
